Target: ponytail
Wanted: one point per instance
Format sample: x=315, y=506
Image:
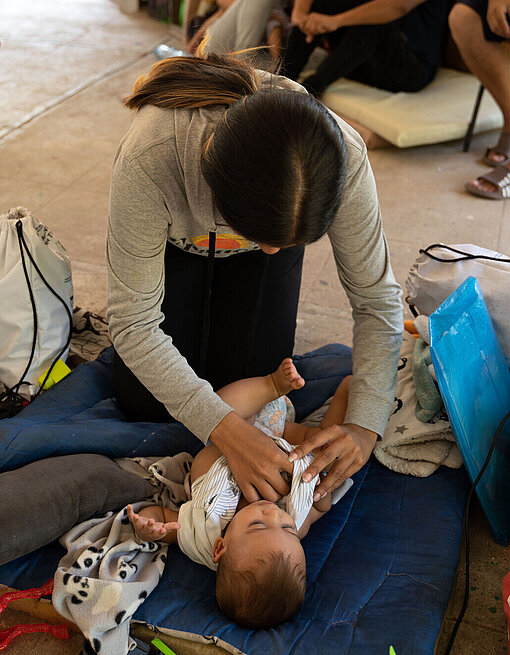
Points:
x=194, y=82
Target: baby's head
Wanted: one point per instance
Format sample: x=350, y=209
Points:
x=261, y=578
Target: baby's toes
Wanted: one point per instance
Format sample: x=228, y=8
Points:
x=298, y=382
x=292, y=375
x=288, y=364
x=289, y=371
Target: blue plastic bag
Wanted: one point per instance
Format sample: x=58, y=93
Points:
x=474, y=382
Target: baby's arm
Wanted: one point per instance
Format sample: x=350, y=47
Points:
x=295, y=434
x=336, y=411
x=154, y=523
x=274, y=42
x=317, y=510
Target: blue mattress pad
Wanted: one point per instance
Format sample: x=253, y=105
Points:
x=380, y=564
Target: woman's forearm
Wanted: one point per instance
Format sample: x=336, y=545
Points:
x=302, y=6
x=300, y=9
x=376, y=12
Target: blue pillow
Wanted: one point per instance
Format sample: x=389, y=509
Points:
x=33, y=513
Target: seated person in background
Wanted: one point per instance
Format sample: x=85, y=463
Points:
x=390, y=44
x=480, y=28
x=279, y=28
x=198, y=24
x=249, y=24
x=256, y=548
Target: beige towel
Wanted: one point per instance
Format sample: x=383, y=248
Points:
x=409, y=445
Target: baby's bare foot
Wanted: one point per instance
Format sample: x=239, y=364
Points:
x=286, y=378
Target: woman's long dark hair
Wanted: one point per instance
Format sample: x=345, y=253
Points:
x=276, y=161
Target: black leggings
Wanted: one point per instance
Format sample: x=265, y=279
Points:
x=254, y=301
x=378, y=55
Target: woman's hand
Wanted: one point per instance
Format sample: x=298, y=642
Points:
x=298, y=18
x=255, y=460
x=497, y=17
x=345, y=447
x=315, y=24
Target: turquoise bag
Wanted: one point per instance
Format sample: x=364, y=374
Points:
x=474, y=382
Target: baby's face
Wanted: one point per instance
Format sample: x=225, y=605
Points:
x=260, y=528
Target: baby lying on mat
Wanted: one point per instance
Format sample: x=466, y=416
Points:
x=256, y=548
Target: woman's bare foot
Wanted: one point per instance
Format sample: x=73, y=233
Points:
x=148, y=529
x=496, y=157
x=286, y=378
x=485, y=185
x=498, y=154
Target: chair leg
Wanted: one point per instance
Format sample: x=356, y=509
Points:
x=471, y=126
x=176, y=10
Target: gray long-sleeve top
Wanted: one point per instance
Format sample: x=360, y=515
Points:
x=158, y=194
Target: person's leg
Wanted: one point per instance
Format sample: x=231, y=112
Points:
x=243, y=25
x=377, y=55
x=253, y=320
x=274, y=42
x=488, y=60
x=253, y=314
x=298, y=51
x=394, y=66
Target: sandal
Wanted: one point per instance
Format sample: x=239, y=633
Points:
x=502, y=147
x=500, y=177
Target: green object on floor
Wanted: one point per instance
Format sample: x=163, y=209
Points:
x=58, y=372
x=162, y=646
x=392, y=651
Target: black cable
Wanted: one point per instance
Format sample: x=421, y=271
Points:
x=15, y=389
x=465, y=255
x=19, y=227
x=412, y=308
x=206, y=320
x=466, y=532
x=13, y=393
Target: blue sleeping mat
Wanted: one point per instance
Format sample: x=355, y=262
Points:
x=380, y=565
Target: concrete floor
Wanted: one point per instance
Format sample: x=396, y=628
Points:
x=65, y=67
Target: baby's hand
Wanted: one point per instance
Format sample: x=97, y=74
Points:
x=148, y=529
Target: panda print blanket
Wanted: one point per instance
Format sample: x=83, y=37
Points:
x=107, y=571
